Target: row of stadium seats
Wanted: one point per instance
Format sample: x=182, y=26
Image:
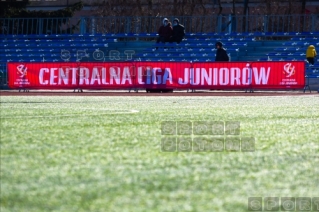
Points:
x=310, y=38
x=213, y=34
x=106, y=44
x=57, y=44
x=103, y=38
x=299, y=43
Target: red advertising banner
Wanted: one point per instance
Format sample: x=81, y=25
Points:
x=267, y=75
x=179, y=75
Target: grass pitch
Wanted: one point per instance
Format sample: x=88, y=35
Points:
x=104, y=153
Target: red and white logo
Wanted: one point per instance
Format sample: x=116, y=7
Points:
x=289, y=70
x=22, y=70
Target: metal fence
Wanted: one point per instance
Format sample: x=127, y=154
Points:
x=3, y=75
x=193, y=24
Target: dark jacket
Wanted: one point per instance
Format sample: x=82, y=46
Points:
x=165, y=31
x=179, y=31
x=221, y=55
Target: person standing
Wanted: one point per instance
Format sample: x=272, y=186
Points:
x=221, y=54
x=311, y=54
x=165, y=32
x=178, y=32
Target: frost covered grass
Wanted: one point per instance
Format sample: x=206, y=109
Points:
x=104, y=153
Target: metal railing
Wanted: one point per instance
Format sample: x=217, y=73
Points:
x=148, y=24
x=26, y=26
